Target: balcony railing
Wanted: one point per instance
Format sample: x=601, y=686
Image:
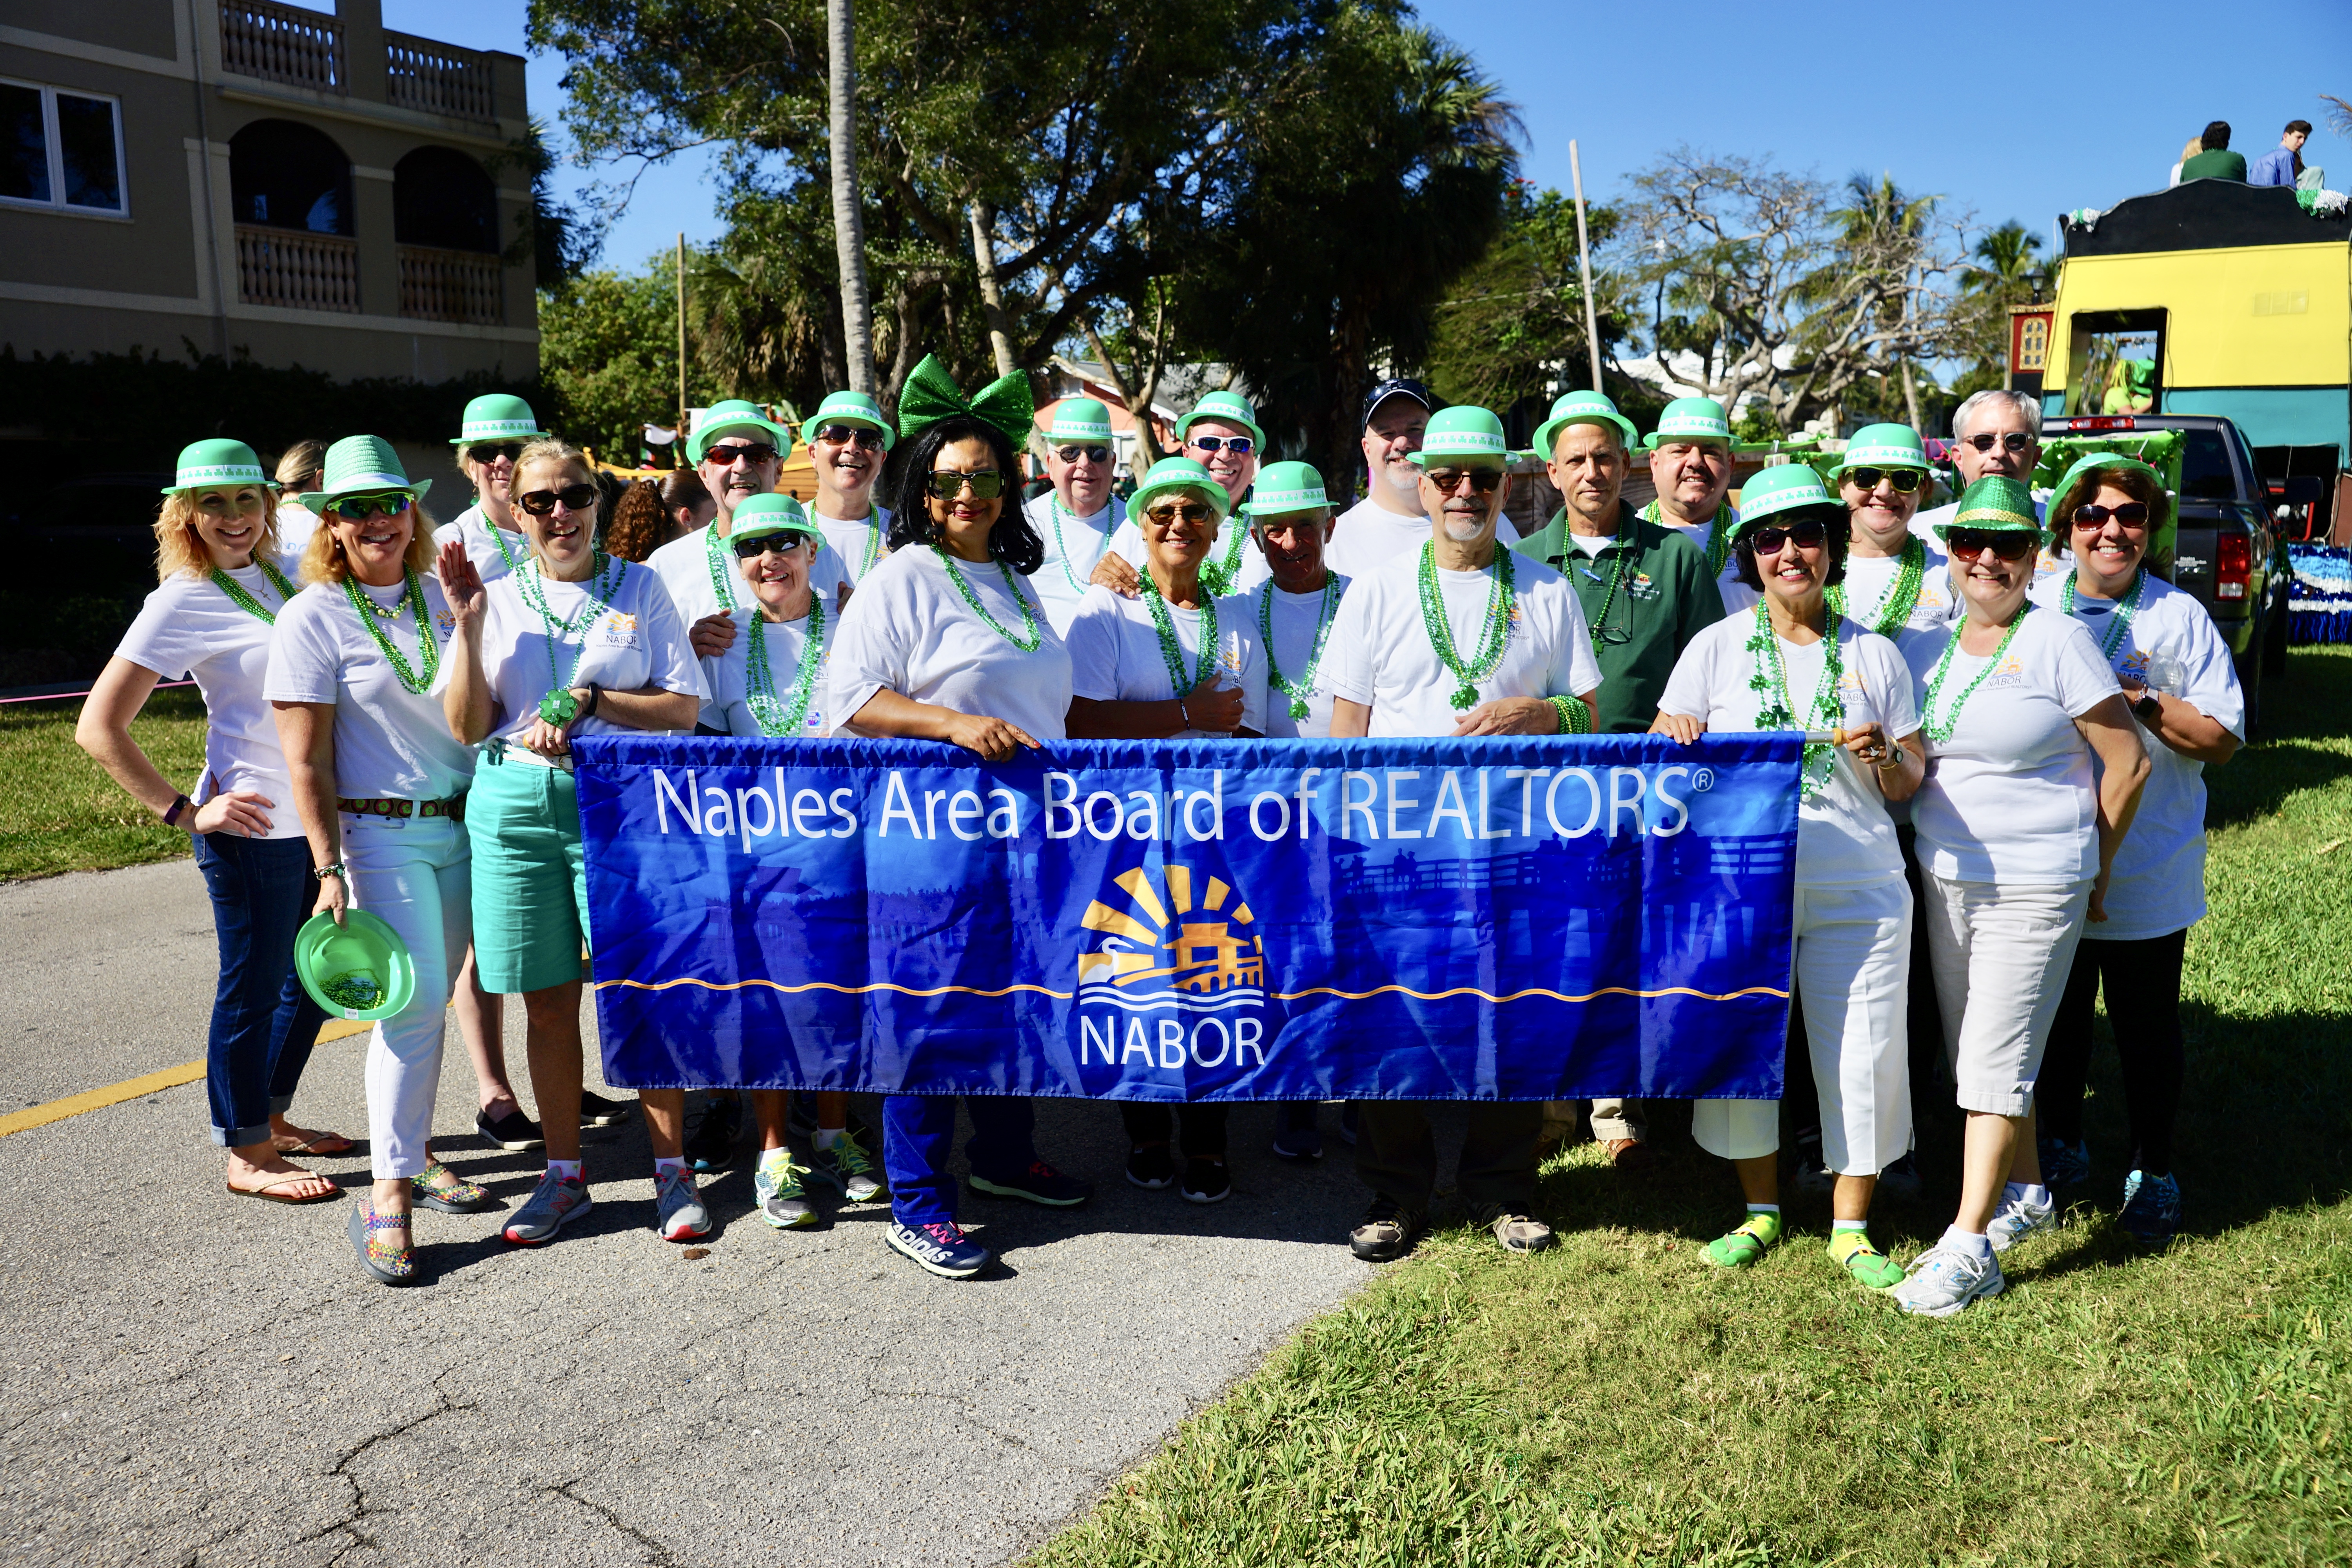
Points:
x=451, y=286
x=283, y=43
x=436, y=77
x=300, y=271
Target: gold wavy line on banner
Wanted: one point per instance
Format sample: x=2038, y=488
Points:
x=1278, y=996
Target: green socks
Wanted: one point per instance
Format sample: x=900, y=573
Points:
x=1850, y=1245
x=1742, y=1247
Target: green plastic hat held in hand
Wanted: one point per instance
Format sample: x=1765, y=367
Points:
x=360, y=970
x=497, y=417
x=209, y=463
x=361, y=465
x=1462, y=432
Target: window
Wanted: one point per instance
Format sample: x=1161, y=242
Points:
x=283, y=173
x=444, y=199
x=60, y=149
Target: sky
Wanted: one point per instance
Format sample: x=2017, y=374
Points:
x=2015, y=112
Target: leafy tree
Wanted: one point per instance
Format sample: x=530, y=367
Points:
x=608, y=356
x=1511, y=330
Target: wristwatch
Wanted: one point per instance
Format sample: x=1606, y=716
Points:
x=2147, y=710
x=558, y=706
x=595, y=700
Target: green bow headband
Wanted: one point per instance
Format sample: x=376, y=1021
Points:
x=931, y=395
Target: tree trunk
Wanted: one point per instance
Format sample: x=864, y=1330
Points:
x=992, y=296
x=848, y=214
x=1911, y=398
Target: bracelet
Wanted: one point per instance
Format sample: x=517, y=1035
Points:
x=595, y=699
x=179, y=803
x=1574, y=718
x=335, y=870
x=1183, y=713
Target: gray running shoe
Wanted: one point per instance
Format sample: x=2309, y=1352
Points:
x=2016, y=1219
x=554, y=1204
x=1945, y=1279
x=776, y=1184
x=677, y=1207
x=848, y=1168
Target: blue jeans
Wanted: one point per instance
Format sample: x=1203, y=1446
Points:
x=264, y=1022
x=919, y=1135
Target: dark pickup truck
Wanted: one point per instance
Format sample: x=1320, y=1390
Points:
x=2227, y=553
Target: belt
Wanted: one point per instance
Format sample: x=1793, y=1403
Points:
x=454, y=808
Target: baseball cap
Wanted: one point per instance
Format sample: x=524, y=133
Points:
x=1396, y=386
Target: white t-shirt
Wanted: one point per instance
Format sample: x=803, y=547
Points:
x=1115, y=654
x=1234, y=543
x=858, y=543
x=1074, y=547
x=683, y=566
x=1844, y=838
x=2157, y=885
x=482, y=540
x=296, y=524
x=1296, y=618
x=1380, y=653
x=2011, y=796
x=391, y=743
x=189, y=625
x=910, y=631
x=1869, y=579
x=1368, y=536
x=636, y=640
x=728, y=676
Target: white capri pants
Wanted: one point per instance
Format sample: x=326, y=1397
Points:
x=2000, y=956
x=415, y=876
x=1853, y=972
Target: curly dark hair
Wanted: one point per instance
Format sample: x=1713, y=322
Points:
x=906, y=484
x=1833, y=519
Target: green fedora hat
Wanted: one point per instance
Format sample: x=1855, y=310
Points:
x=1689, y=419
x=220, y=462
x=1229, y=407
x=1882, y=446
x=1781, y=488
x=361, y=465
x=495, y=416
x=1581, y=408
x=1994, y=504
x=1172, y=474
x=1080, y=420
x=1283, y=488
x=761, y=515
x=734, y=414
x=1464, y=431
x=360, y=970
x=850, y=408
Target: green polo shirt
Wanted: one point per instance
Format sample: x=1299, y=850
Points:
x=1664, y=599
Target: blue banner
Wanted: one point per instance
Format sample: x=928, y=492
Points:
x=1181, y=921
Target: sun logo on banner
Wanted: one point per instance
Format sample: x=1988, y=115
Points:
x=1172, y=949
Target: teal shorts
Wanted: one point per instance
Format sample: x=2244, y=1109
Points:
x=530, y=883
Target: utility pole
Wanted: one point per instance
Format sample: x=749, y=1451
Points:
x=848, y=215
x=681, y=349
x=1584, y=268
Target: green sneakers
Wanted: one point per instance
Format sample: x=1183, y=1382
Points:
x=777, y=1185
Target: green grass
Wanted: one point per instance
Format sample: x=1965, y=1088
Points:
x=1618, y=1401
x=60, y=812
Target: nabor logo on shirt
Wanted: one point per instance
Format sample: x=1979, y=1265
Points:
x=1643, y=586
x=1171, y=954
x=2010, y=673
x=619, y=630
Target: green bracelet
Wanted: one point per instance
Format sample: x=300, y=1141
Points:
x=1575, y=719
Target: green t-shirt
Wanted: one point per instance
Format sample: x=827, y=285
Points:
x=1664, y=599
x=2219, y=165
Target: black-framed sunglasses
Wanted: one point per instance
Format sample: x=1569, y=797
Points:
x=1091, y=454
x=2013, y=441
x=851, y=436
x=727, y=457
x=946, y=484
x=2131, y=514
x=1902, y=481
x=361, y=507
x=1805, y=534
x=2006, y=544
x=491, y=451
x=765, y=544
x=1239, y=446
x=571, y=498
x=1482, y=480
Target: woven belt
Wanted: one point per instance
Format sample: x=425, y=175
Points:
x=454, y=808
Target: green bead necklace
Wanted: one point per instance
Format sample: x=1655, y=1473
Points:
x=1718, y=536
x=1769, y=680
x=1617, y=556
x=247, y=602
x=1939, y=733
x=1172, y=652
x=1304, y=688
x=1029, y=628
x=2119, y=623
x=759, y=689
x=1493, y=640
x=505, y=551
x=1054, y=510
x=721, y=583
x=1217, y=577
x=1894, y=612
x=605, y=574
x=412, y=600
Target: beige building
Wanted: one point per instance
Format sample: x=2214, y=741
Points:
x=295, y=186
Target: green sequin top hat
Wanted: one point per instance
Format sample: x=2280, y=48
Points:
x=495, y=416
x=1883, y=447
x=734, y=414
x=1994, y=504
x=219, y=462
x=758, y=516
x=1226, y=407
x=361, y=465
x=1171, y=475
x=1580, y=408
x=1689, y=419
x=1782, y=488
x=1463, y=431
x=360, y=970
x=851, y=408
x=1285, y=487
x=1080, y=420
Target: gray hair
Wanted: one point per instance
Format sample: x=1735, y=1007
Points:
x=2027, y=406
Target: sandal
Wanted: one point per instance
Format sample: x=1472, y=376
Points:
x=439, y=1187
x=267, y=1191
x=385, y=1263
x=1743, y=1247
x=317, y=1145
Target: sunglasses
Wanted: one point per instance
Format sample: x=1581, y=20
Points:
x=2015, y=441
x=946, y=484
x=851, y=436
x=491, y=452
x=1968, y=543
x=244, y=501
x=571, y=498
x=358, y=508
x=778, y=543
x=752, y=452
x=1447, y=480
x=1805, y=534
x=1171, y=512
x=2131, y=514
x=1091, y=454
x=1902, y=481
x=1239, y=446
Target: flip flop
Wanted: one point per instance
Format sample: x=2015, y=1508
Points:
x=321, y=1146
x=267, y=1191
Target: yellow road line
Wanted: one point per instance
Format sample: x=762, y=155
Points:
x=132, y=1087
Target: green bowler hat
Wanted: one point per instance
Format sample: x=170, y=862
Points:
x=1229, y=407
x=1170, y=475
x=1463, y=431
x=497, y=417
x=1580, y=408
x=1285, y=487
x=1994, y=504
x=1690, y=419
x=761, y=515
x=1883, y=447
x=1782, y=488
x=360, y=970
x=849, y=408
x=361, y=465
x=736, y=415
x=2088, y=463
x=1080, y=420
x=220, y=462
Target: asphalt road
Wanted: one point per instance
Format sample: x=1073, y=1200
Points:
x=188, y=1378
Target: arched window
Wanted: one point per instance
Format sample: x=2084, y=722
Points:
x=441, y=198
x=284, y=174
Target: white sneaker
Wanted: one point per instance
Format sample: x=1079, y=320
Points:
x=677, y=1206
x=2016, y=1219
x=1944, y=1280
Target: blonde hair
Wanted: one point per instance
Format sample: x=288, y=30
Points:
x=2196, y=146
x=323, y=560
x=302, y=461
x=180, y=549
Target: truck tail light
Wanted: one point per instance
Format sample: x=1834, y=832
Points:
x=2103, y=421
x=2234, y=566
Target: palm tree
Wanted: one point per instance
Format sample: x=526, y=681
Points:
x=848, y=216
x=2009, y=255
x=1880, y=226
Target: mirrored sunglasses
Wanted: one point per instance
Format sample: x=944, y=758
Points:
x=946, y=484
x=358, y=508
x=1806, y=534
x=1239, y=446
x=1968, y=543
x=1902, y=481
x=1091, y=454
x=543, y=503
